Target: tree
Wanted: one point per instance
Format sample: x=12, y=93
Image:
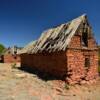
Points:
x=1, y=48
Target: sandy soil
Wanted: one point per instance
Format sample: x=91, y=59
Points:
x=16, y=84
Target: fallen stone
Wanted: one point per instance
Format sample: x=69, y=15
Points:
x=83, y=82
x=21, y=75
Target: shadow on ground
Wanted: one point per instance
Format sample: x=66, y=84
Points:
x=41, y=75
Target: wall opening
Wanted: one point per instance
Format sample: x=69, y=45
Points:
x=85, y=39
x=87, y=63
x=85, y=31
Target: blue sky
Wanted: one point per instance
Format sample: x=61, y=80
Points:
x=22, y=21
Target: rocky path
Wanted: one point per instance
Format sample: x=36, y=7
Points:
x=16, y=84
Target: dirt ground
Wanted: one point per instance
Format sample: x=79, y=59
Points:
x=16, y=84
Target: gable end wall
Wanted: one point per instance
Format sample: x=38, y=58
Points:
x=76, y=66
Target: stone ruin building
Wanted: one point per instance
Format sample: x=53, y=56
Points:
x=68, y=51
x=11, y=55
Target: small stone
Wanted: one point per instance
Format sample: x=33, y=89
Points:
x=83, y=82
x=22, y=75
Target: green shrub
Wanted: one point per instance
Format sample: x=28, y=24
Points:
x=1, y=48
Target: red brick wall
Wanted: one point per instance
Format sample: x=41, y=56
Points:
x=92, y=43
x=92, y=73
x=76, y=60
x=75, y=41
x=76, y=65
x=53, y=63
x=10, y=58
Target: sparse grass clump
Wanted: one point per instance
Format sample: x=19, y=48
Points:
x=13, y=65
x=67, y=86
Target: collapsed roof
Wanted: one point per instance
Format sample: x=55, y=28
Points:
x=57, y=38
x=28, y=47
